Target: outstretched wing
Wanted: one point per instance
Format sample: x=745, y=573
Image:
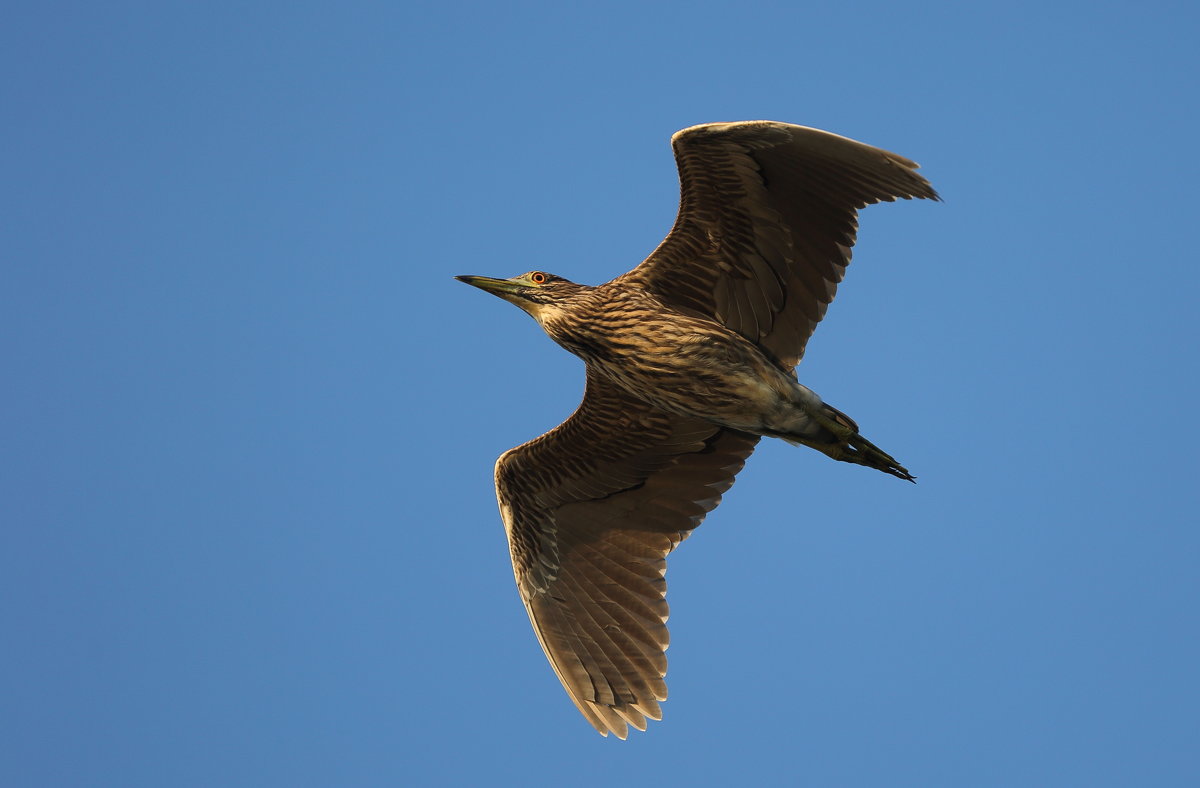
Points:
x=768, y=214
x=591, y=509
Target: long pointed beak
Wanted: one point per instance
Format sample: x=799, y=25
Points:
x=498, y=287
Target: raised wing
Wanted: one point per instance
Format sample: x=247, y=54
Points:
x=591, y=509
x=767, y=217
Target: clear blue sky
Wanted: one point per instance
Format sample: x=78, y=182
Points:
x=249, y=419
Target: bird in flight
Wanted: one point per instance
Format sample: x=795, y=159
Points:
x=690, y=360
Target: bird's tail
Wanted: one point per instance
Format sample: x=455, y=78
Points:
x=840, y=439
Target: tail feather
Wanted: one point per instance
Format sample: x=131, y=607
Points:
x=841, y=440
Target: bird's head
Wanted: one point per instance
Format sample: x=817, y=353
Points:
x=540, y=294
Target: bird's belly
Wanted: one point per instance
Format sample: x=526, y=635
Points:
x=715, y=382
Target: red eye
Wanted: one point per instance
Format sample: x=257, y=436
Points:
x=538, y=278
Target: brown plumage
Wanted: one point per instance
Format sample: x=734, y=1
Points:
x=690, y=360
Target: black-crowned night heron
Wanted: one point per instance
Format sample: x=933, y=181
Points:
x=690, y=360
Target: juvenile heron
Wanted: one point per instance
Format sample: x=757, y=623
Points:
x=690, y=360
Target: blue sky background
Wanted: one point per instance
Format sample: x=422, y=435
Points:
x=249, y=419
